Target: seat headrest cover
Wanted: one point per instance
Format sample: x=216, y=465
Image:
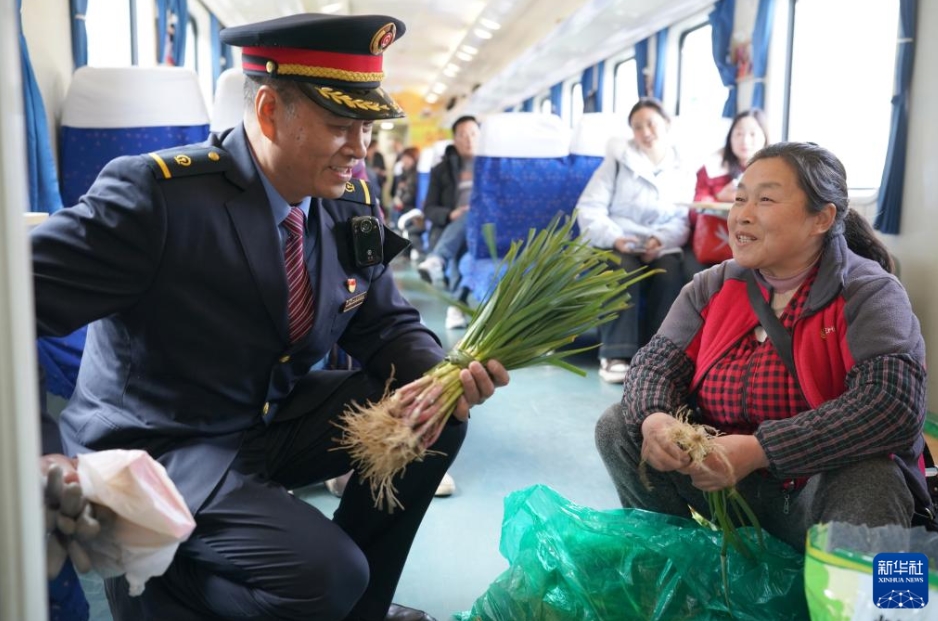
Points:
x=228, y=108
x=524, y=134
x=594, y=131
x=117, y=97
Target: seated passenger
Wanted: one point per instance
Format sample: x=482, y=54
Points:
x=630, y=206
x=448, y=200
x=837, y=437
x=716, y=182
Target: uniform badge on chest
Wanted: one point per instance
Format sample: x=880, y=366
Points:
x=351, y=284
x=354, y=302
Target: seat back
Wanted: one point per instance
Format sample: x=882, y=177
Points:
x=114, y=111
x=520, y=178
x=228, y=105
x=590, y=140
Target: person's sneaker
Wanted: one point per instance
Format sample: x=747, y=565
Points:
x=431, y=270
x=446, y=487
x=455, y=318
x=613, y=370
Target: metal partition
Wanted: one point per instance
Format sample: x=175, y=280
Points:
x=22, y=555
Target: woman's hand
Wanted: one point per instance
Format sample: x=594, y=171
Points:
x=743, y=454
x=658, y=449
x=626, y=244
x=479, y=383
x=652, y=248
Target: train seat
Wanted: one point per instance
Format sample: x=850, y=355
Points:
x=228, y=105
x=114, y=111
x=590, y=140
x=109, y=112
x=520, y=182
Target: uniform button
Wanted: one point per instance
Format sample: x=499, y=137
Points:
x=285, y=358
x=266, y=407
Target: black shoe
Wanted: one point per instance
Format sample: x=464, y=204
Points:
x=403, y=613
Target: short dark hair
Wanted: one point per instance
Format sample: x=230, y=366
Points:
x=464, y=119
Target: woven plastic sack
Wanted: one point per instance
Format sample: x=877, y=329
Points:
x=568, y=562
x=839, y=573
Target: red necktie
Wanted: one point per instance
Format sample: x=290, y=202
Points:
x=299, y=291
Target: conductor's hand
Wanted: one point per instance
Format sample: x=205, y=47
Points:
x=479, y=383
x=658, y=450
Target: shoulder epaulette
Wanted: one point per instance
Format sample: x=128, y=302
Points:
x=188, y=161
x=358, y=191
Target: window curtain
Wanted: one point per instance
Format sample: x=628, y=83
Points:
x=761, y=37
x=528, y=105
x=651, y=79
x=890, y=189
x=43, y=179
x=221, y=53
x=172, y=17
x=556, y=98
x=721, y=22
x=661, y=56
x=592, y=83
x=79, y=8
x=641, y=62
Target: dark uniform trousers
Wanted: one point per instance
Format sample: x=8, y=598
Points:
x=258, y=552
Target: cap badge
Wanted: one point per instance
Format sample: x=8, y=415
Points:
x=383, y=38
x=352, y=284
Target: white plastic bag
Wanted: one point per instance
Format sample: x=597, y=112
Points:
x=152, y=517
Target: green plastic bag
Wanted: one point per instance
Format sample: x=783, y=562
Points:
x=568, y=563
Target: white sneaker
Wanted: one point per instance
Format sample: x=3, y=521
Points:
x=446, y=487
x=431, y=270
x=455, y=318
x=613, y=370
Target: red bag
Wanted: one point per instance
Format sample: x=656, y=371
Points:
x=711, y=241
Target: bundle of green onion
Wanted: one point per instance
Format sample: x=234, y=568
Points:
x=728, y=509
x=552, y=289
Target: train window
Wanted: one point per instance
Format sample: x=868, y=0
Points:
x=109, y=29
x=843, y=63
x=701, y=93
x=576, y=103
x=543, y=105
x=192, y=46
x=626, y=86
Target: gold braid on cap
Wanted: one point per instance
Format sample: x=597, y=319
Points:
x=329, y=73
x=346, y=100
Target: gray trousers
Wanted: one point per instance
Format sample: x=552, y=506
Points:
x=871, y=492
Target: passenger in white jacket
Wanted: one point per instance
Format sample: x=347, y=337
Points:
x=631, y=206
